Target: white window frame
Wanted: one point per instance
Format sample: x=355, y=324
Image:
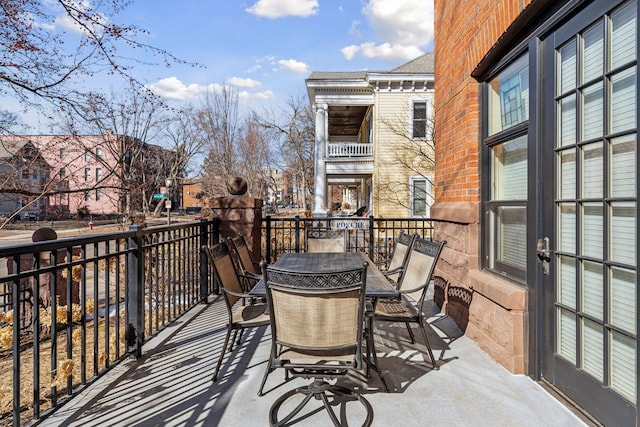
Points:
x=429, y=107
x=428, y=197
x=87, y=174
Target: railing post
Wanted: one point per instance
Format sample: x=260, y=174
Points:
x=15, y=294
x=297, y=222
x=268, y=239
x=371, y=243
x=135, y=291
x=204, y=265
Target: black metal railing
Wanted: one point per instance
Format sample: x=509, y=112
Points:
x=374, y=236
x=70, y=309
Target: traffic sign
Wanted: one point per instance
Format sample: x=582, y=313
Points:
x=159, y=196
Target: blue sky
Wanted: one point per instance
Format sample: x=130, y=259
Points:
x=266, y=48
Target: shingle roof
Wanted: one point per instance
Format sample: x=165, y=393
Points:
x=422, y=64
x=338, y=75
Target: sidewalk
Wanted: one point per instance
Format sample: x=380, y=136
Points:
x=171, y=384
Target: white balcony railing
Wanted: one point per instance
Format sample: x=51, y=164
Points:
x=349, y=149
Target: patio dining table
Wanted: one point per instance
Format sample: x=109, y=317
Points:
x=377, y=284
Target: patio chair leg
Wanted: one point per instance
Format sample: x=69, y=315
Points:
x=371, y=348
x=413, y=338
x=224, y=346
x=264, y=378
x=426, y=341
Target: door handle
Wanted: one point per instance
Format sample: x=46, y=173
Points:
x=544, y=255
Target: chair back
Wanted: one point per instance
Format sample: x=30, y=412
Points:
x=422, y=262
x=220, y=260
x=325, y=240
x=400, y=256
x=245, y=262
x=319, y=315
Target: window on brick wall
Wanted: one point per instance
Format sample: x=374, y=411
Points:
x=87, y=174
x=506, y=118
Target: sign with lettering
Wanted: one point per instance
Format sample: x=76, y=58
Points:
x=344, y=224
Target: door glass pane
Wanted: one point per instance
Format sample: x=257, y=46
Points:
x=593, y=289
x=623, y=166
x=568, y=174
x=623, y=35
x=593, y=111
x=567, y=121
x=593, y=60
x=592, y=170
x=567, y=281
x=623, y=232
x=568, y=61
x=623, y=100
x=592, y=230
x=567, y=335
x=623, y=365
x=623, y=299
x=567, y=228
x=592, y=349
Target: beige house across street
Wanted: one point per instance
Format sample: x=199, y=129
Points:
x=374, y=140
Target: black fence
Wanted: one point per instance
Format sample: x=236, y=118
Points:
x=374, y=236
x=70, y=309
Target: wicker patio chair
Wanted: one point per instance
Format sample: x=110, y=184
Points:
x=325, y=240
x=330, y=305
x=240, y=317
x=408, y=308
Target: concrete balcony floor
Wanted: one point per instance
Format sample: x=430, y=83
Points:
x=171, y=384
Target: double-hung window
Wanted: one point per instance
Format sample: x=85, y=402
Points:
x=419, y=120
x=506, y=119
x=420, y=197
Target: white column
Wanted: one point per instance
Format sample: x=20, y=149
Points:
x=320, y=171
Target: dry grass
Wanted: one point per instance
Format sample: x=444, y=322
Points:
x=68, y=366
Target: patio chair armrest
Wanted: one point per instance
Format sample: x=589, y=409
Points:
x=394, y=271
x=409, y=291
x=250, y=275
x=237, y=294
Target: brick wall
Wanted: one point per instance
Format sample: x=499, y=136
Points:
x=465, y=31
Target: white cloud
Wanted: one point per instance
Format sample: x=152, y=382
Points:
x=401, y=28
x=293, y=65
x=173, y=88
x=257, y=96
x=241, y=82
x=273, y=9
x=389, y=52
x=350, y=51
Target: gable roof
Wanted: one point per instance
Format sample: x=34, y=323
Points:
x=422, y=64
